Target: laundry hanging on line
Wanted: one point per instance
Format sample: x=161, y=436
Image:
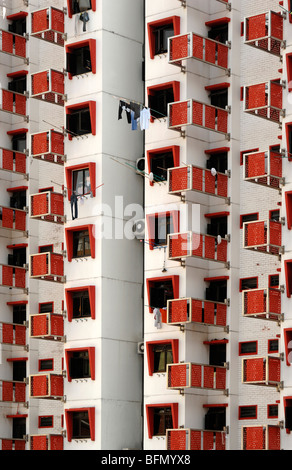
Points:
x=135, y=113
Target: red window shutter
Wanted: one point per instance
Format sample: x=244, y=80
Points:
x=69, y=300
x=175, y=20
x=150, y=354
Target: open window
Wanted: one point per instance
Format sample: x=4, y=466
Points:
x=215, y=418
x=159, y=160
x=217, y=224
x=81, y=57
x=81, y=179
x=218, y=29
x=80, y=423
x=160, y=95
x=80, y=302
x=288, y=276
x=18, y=197
x=80, y=242
x=18, y=23
x=81, y=119
x=248, y=283
x=218, y=159
x=161, y=417
x=158, y=33
x=80, y=363
x=160, y=225
x=160, y=353
x=19, y=312
x=18, y=81
x=216, y=290
x=160, y=290
x=248, y=218
x=217, y=352
x=79, y=6
x=218, y=95
x=288, y=129
x=18, y=255
x=288, y=413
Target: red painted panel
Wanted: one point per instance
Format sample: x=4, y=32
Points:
x=197, y=313
x=7, y=391
x=197, y=117
x=178, y=114
x=20, y=162
x=19, y=277
x=7, y=159
x=20, y=104
x=7, y=276
x=210, y=51
x=39, y=386
x=179, y=179
x=197, y=178
x=222, y=55
x=40, y=21
x=256, y=27
x=254, y=370
x=20, y=335
x=177, y=440
x=20, y=220
x=40, y=83
x=7, y=100
x=20, y=392
x=208, y=377
x=179, y=47
x=198, y=47
x=20, y=46
x=195, y=440
x=196, y=375
x=177, y=376
x=39, y=325
x=7, y=217
x=209, y=117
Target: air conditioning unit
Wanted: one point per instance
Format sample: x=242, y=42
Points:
x=139, y=229
x=140, y=166
x=140, y=348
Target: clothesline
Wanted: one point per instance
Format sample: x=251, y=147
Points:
x=128, y=101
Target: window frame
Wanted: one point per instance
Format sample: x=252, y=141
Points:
x=69, y=300
x=152, y=154
x=91, y=360
x=150, y=415
x=49, y=359
x=152, y=221
x=273, y=351
x=241, y=407
x=175, y=20
x=242, y=353
x=69, y=422
x=91, y=43
x=269, y=415
x=246, y=279
x=150, y=345
x=46, y=303
x=151, y=90
x=175, y=285
x=92, y=175
x=80, y=107
x=45, y=426
x=69, y=239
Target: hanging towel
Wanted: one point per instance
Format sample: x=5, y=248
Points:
x=157, y=318
x=144, y=118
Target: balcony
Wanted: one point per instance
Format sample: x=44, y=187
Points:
x=189, y=375
x=261, y=437
x=194, y=178
x=46, y=442
x=47, y=326
x=194, y=46
x=13, y=161
x=13, y=44
x=195, y=113
x=264, y=168
x=12, y=219
x=47, y=206
x=48, y=24
x=190, y=244
x=263, y=236
x=13, y=334
x=12, y=391
x=262, y=371
x=47, y=267
x=48, y=146
x=46, y=386
x=48, y=86
x=265, y=32
x=14, y=103
x=13, y=277
x=12, y=444
x=189, y=310
x=262, y=304
x=264, y=100
x=195, y=439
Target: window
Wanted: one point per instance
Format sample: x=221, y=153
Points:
x=219, y=97
x=78, y=122
x=288, y=345
x=217, y=226
x=273, y=345
x=18, y=428
x=161, y=417
x=19, y=371
x=219, y=161
x=81, y=244
x=81, y=178
x=46, y=307
x=18, y=26
x=46, y=421
x=81, y=181
x=19, y=313
x=79, y=61
x=289, y=69
x=18, y=258
x=160, y=225
x=78, y=6
x=46, y=249
x=159, y=160
x=288, y=413
x=218, y=32
x=46, y=364
x=248, y=283
x=215, y=418
x=19, y=142
x=81, y=304
x=274, y=280
x=18, y=200
x=217, y=353
x=275, y=215
x=160, y=292
x=18, y=84
x=272, y=411
x=161, y=353
x=217, y=290
x=160, y=95
x=248, y=218
x=289, y=140
x=80, y=423
x=248, y=347
x=80, y=363
x=247, y=412
x=288, y=276
x=158, y=33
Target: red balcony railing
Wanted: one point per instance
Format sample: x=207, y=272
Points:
x=48, y=86
x=12, y=333
x=47, y=266
x=194, y=46
x=14, y=103
x=192, y=112
x=46, y=386
x=189, y=310
x=195, y=439
x=46, y=442
x=194, y=178
x=48, y=24
x=263, y=236
x=265, y=32
x=264, y=168
x=47, y=206
x=261, y=437
x=12, y=276
x=48, y=146
x=12, y=444
x=12, y=391
x=190, y=375
x=264, y=100
x=190, y=244
x=262, y=371
x=47, y=326
x=263, y=303
x=13, y=161
x=14, y=219
x=13, y=44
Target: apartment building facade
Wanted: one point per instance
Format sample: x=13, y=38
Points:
x=145, y=217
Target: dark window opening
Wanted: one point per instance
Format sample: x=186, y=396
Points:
x=18, y=428
x=249, y=283
x=19, y=143
x=272, y=411
x=79, y=61
x=18, y=258
x=158, y=101
x=248, y=412
x=273, y=345
x=217, y=291
x=81, y=304
x=275, y=215
x=81, y=181
x=46, y=364
x=45, y=421
x=219, y=33
x=159, y=164
x=249, y=347
x=217, y=354
x=217, y=226
x=160, y=292
x=81, y=244
x=78, y=122
x=161, y=35
x=79, y=365
x=18, y=200
x=215, y=419
x=46, y=249
x=248, y=218
x=80, y=424
x=19, y=314
x=78, y=6
x=274, y=280
x=162, y=357
x=219, y=161
x=18, y=26
x=219, y=98
x=18, y=84
x=289, y=139
x=46, y=307
x=162, y=420
x=19, y=371
x=163, y=227
x=288, y=414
